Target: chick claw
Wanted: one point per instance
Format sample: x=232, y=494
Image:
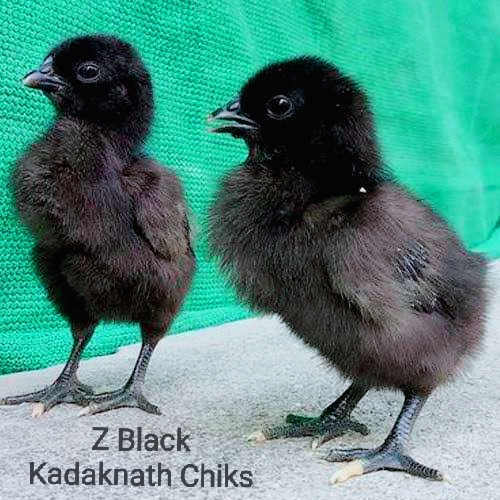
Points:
x=352, y=469
x=257, y=437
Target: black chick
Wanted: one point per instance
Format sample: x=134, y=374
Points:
x=311, y=228
x=109, y=224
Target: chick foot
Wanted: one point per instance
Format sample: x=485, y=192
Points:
x=391, y=454
x=123, y=398
x=322, y=429
x=361, y=461
x=130, y=395
x=334, y=421
x=61, y=391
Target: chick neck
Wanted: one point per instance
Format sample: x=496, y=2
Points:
x=126, y=124
x=328, y=166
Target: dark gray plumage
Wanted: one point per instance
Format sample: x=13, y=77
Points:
x=311, y=228
x=109, y=223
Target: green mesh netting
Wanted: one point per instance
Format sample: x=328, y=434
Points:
x=431, y=69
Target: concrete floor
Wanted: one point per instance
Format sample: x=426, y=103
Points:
x=222, y=383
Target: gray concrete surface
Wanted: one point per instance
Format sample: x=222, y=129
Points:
x=221, y=384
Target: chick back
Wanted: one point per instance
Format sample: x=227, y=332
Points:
x=86, y=203
x=377, y=282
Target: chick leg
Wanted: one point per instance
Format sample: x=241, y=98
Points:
x=334, y=421
x=66, y=388
x=130, y=395
x=391, y=455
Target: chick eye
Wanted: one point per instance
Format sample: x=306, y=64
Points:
x=279, y=106
x=88, y=72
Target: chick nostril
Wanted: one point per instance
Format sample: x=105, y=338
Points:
x=234, y=105
x=46, y=66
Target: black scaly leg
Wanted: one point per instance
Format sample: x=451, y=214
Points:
x=334, y=421
x=66, y=388
x=391, y=455
x=130, y=395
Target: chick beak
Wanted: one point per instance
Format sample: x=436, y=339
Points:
x=44, y=78
x=242, y=125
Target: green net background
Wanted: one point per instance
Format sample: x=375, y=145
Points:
x=431, y=69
